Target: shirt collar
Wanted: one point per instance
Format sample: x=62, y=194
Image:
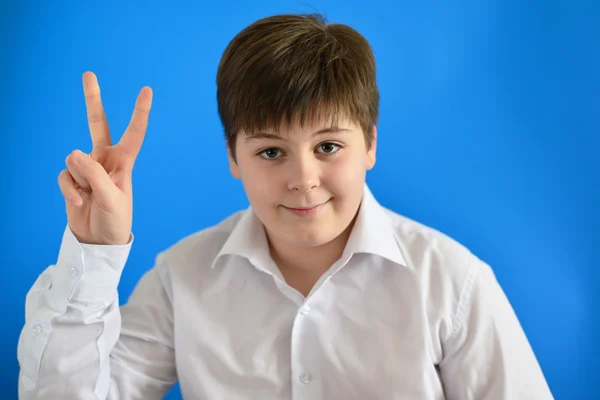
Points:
x=373, y=233
x=248, y=240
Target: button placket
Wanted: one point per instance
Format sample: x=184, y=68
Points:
x=38, y=328
x=304, y=310
x=306, y=378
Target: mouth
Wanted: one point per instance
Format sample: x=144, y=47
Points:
x=306, y=211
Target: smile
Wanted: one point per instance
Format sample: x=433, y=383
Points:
x=306, y=211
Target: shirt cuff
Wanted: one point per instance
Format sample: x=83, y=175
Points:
x=90, y=272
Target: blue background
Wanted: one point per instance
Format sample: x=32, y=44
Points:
x=488, y=132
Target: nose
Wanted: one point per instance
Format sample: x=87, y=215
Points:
x=304, y=174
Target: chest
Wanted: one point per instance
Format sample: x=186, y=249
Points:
x=250, y=338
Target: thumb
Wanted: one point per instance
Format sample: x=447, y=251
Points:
x=103, y=188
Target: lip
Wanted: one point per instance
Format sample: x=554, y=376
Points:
x=306, y=211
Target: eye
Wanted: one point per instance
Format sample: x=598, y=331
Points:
x=270, y=153
x=329, y=148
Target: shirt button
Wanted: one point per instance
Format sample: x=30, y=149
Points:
x=37, y=328
x=306, y=378
x=74, y=272
x=304, y=310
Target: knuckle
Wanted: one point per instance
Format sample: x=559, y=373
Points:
x=97, y=117
x=138, y=125
x=70, y=160
x=63, y=176
x=60, y=178
x=90, y=169
x=64, y=182
x=126, y=164
x=96, y=171
x=102, y=142
x=143, y=111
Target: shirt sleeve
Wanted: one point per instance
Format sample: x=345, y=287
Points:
x=488, y=356
x=77, y=343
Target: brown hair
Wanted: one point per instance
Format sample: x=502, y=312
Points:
x=293, y=68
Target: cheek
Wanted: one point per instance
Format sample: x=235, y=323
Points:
x=349, y=172
x=346, y=183
x=260, y=184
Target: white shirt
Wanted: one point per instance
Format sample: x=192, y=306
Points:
x=406, y=313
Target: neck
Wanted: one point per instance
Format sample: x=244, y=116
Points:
x=303, y=266
x=308, y=258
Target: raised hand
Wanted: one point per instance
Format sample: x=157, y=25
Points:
x=97, y=187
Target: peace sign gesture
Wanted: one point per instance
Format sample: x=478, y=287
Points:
x=97, y=187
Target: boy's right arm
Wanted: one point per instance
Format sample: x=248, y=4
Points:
x=78, y=344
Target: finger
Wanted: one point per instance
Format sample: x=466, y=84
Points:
x=104, y=190
x=132, y=139
x=95, y=111
x=67, y=187
x=73, y=170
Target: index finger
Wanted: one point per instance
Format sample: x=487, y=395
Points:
x=131, y=141
x=95, y=111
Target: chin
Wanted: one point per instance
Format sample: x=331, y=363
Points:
x=308, y=239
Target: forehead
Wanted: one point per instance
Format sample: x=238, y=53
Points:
x=299, y=129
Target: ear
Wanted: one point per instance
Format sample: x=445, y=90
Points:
x=233, y=167
x=371, y=158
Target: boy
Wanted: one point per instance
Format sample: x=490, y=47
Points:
x=315, y=292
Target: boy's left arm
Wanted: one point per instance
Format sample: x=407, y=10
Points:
x=487, y=356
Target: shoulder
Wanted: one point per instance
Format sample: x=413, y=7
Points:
x=426, y=248
x=200, y=248
x=446, y=270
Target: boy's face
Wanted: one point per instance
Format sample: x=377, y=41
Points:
x=305, y=184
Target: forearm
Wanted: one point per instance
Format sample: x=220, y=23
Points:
x=72, y=324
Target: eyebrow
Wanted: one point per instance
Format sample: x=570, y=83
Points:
x=266, y=135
